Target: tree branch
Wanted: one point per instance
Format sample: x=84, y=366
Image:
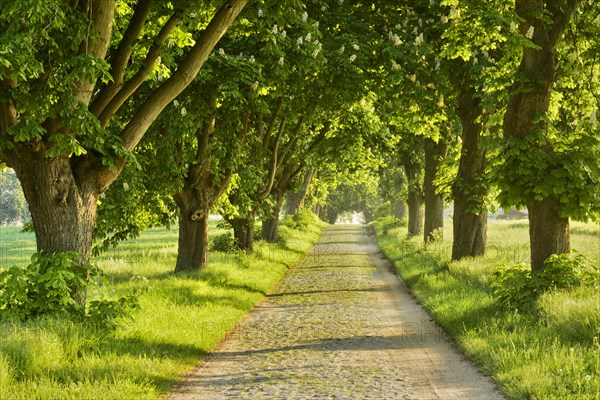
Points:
x=136, y=81
x=101, y=15
x=274, y=158
x=292, y=142
x=185, y=74
x=122, y=56
x=269, y=133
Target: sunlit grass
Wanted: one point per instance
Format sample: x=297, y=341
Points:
x=552, y=352
x=180, y=319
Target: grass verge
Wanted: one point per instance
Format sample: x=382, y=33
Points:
x=549, y=352
x=180, y=319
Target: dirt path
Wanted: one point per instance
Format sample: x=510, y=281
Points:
x=341, y=326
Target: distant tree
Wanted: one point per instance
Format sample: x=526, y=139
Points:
x=13, y=207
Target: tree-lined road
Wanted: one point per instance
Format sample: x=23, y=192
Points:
x=340, y=325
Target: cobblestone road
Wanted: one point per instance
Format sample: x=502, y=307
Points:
x=340, y=326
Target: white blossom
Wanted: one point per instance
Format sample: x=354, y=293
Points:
x=125, y=186
x=175, y=103
x=323, y=8
x=255, y=86
x=342, y=49
x=281, y=61
x=356, y=47
x=193, y=15
x=444, y=19
x=454, y=12
x=183, y=112
x=395, y=65
x=316, y=52
x=352, y=58
x=513, y=26
x=304, y=16
x=419, y=40
x=251, y=60
x=284, y=33
x=260, y=13
x=308, y=37
x=395, y=38
x=413, y=77
x=530, y=31
x=275, y=29
x=221, y=51
x=300, y=41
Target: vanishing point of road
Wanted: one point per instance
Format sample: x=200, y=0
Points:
x=340, y=325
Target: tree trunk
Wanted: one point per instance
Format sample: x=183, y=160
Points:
x=243, y=233
x=270, y=226
x=471, y=185
x=415, y=213
x=525, y=124
x=192, y=251
x=469, y=230
x=415, y=199
x=63, y=211
x=399, y=208
x=548, y=232
x=434, y=204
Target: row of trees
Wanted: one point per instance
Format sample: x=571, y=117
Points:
x=435, y=100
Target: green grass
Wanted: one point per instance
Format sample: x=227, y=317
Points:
x=180, y=319
x=550, y=352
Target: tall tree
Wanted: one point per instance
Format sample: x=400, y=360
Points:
x=69, y=71
x=540, y=148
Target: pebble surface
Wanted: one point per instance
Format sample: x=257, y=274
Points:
x=339, y=326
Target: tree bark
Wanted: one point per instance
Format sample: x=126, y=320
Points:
x=471, y=185
x=434, y=204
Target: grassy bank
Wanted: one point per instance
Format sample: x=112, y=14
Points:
x=551, y=351
x=180, y=319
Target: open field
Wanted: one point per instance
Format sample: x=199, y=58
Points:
x=180, y=319
x=549, y=352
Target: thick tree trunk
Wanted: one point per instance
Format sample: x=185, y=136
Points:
x=63, y=211
x=192, y=251
x=548, y=232
x=434, y=204
x=471, y=185
x=399, y=208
